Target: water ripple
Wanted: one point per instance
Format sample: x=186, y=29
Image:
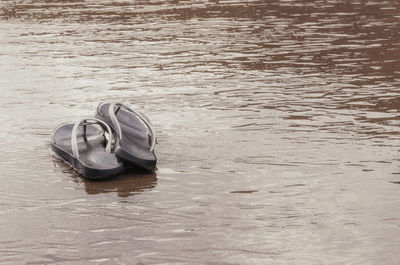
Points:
x=278, y=125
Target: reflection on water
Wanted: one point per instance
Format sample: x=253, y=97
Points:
x=126, y=185
x=278, y=126
x=133, y=182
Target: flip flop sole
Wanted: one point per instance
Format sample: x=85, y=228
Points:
x=87, y=172
x=146, y=164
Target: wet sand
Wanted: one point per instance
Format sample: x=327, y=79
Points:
x=278, y=125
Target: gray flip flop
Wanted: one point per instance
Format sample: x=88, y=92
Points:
x=88, y=151
x=136, y=139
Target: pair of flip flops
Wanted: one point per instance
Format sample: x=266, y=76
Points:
x=105, y=145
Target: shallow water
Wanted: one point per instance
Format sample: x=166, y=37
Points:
x=277, y=121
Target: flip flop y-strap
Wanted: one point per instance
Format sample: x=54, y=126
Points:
x=85, y=122
x=114, y=108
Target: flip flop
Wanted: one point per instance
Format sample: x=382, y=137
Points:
x=85, y=150
x=135, y=135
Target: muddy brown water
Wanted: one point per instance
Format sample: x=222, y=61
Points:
x=278, y=127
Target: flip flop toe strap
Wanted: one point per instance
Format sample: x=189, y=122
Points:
x=114, y=108
x=85, y=122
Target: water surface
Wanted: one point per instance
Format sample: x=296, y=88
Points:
x=277, y=121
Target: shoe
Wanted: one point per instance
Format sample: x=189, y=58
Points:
x=135, y=136
x=88, y=151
